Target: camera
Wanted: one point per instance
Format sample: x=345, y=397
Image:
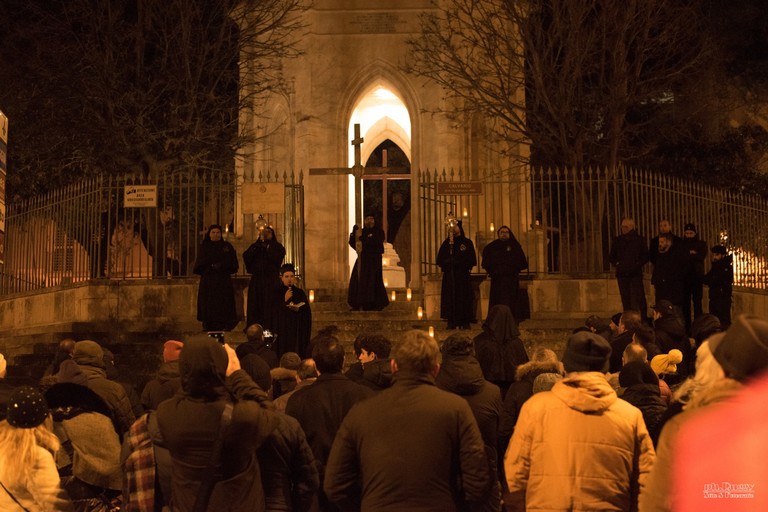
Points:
x=217, y=335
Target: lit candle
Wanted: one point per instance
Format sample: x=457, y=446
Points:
x=492, y=228
x=431, y=332
x=420, y=313
x=408, y=294
x=394, y=296
x=386, y=284
x=465, y=213
x=311, y=296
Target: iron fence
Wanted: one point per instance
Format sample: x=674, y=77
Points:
x=87, y=230
x=566, y=219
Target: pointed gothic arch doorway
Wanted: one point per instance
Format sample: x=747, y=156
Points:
x=387, y=195
x=386, y=154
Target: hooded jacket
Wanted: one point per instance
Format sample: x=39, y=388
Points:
x=189, y=424
x=462, y=375
x=578, y=447
x=520, y=391
x=377, y=374
x=90, y=357
x=164, y=386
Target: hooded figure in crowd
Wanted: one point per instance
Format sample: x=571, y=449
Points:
x=191, y=422
x=89, y=356
x=499, y=348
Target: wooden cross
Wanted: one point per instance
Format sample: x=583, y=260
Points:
x=356, y=171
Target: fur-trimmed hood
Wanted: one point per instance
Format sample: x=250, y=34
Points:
x=532, y=369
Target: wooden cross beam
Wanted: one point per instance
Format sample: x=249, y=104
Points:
x=356, y=171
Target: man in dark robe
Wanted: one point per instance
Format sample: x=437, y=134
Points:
x=366, y=286
x=503, y=259
x=456, y=258
x=262, y=260
x=216, y=261
x=293, y=314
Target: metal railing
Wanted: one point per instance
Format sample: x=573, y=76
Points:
x=85, y=231
x=566, y=219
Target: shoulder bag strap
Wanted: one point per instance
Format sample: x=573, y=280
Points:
x=206, y=486
x=25, y=509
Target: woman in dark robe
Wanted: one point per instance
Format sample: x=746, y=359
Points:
x=456, y=258
x=294, y=316
x=262, y=260
x=499, y=348
x=366, y=285
x=216, y=261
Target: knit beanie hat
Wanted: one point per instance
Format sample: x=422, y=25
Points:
x=26, y=408
x=88, y=353
x=586, y=352
x=172, y=350
x=3, y=365
x=742, y=350
x=667, y=363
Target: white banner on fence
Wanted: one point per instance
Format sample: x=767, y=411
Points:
x=140, y=196
x=263, y=198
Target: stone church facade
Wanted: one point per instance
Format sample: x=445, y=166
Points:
x=352, y=70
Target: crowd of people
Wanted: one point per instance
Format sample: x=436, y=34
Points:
x=678, y=271
x=413, y=425
x=275, y=302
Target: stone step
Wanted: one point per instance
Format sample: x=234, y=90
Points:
x=394, y=308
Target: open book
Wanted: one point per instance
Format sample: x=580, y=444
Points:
x=295, y=306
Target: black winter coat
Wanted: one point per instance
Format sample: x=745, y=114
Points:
x=647, y=398
x=669, y=275
x=629, y=253
x=520, y=391
x=320, y=409
x=720, y=277
x=412, y=448
x=288, y=470
x=695, y=251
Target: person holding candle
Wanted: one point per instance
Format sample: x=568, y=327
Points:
x=456, y=258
